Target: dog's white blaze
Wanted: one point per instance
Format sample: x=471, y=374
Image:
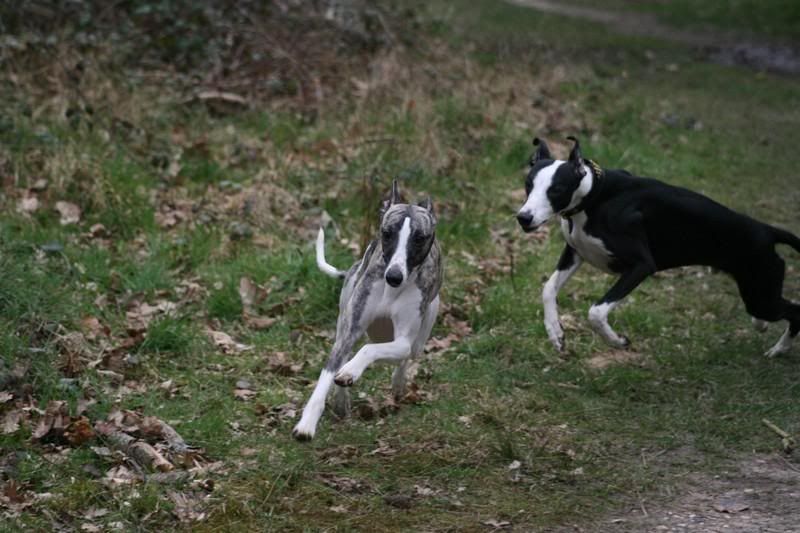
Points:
x=537, y=203
x=401, y=252
x=315, y=406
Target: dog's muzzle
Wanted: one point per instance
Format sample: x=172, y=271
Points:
x=525, y=220
x=394, y=276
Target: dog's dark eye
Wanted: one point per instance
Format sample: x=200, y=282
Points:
x=419, y=237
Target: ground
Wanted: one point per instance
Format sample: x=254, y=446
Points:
x=162, y=319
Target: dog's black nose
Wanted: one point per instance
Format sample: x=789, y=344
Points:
x=524, y=219
x=394, y=276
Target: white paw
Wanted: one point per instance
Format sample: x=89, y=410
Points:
x=346, y=376
x=778, y=349
x=304, y=431
x=555, y=333
x=760, y=325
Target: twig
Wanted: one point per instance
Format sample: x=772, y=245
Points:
x=787, y=440
x=138, y=450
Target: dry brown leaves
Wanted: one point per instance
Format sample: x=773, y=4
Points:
x=252, y=295
x=603, y=360
x=140, y=314
x=70, y=213
x=459, y=330
x=278, y=363
x=226, y=343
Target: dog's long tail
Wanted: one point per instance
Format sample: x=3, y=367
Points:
x=784, y=237
x=321, y=263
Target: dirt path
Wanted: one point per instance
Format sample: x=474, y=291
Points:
x=726, y=48
x=759, y=494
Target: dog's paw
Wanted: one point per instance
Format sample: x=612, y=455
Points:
x=302, y=434
x=556, y=334
x=776, y=350
x=760, y=325
x=344, y=379
x=559, y=343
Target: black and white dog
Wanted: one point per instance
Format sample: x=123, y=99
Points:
x=391, y=294
x=634, y=227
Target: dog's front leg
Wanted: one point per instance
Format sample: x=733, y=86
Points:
x=569, y=262
x=598, y=313
x=398, y=349
x=342, y=347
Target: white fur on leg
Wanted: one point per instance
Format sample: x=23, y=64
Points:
x=305, y=429
x=399, y=348
x=551, y=322
x=782, y=346
x=760, y=325
x=598, y=317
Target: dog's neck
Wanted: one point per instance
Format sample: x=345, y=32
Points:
x=596, y=175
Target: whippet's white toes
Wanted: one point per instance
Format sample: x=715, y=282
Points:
x=760, y=325
x=302, y=432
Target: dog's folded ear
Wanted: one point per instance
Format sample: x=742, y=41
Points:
x=542, y=151
x=575, y=157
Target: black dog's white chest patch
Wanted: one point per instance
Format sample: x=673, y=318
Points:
x=590, y=248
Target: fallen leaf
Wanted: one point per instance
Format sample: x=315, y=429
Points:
x=70, y=213
x=55, y=419
x=120, y=475
x=93, y=328
x=228, y=345
x=259, y=322
x=28, y=205
x=612, y=357
x=497, y=524
x=244, y=394
x=279, y=364
x=5, y=396
x=340, y=509
x=79, y=431
x=140, y=314
x=11, y=421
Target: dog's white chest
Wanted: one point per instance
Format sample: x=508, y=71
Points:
x=590, y=248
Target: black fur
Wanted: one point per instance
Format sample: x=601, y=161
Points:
x=648, y=226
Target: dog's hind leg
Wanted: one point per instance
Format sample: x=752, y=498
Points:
x=569, y=262
x=399, y=380
x=784, y=344
x=598, y=313
x=399, y=376
x=341, y=402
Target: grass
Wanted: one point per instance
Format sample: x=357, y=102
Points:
x=694, y=398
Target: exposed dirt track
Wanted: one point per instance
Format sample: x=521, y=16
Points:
x=726, y=48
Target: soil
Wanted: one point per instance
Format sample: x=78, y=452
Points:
x=760, y=493
x=720, y=47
